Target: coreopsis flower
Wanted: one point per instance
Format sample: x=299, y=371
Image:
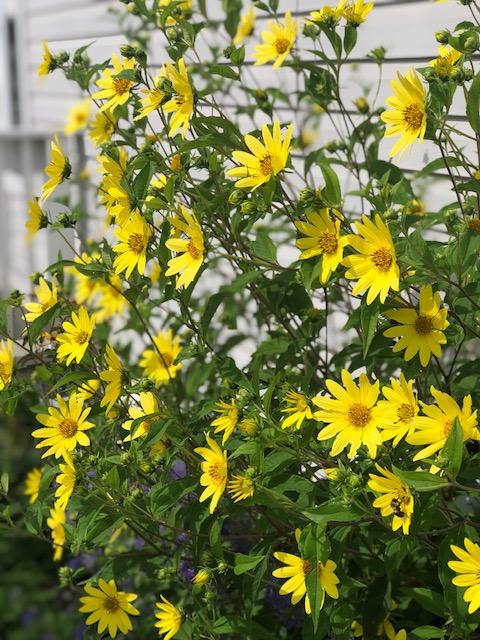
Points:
x=202, y=577
x=78, y=116
x=66, y=483
x=396, y=498
x=181, y=103
x=6, y=362
x=109, y=607
x=214, y=468
x=47, y=298
x=112, y=377
x=298, y=406
x=434, y=427
x=329, y=13
x=112, y=302
x=245, y=26
x=47, y=64
x=56, y=522
x=169, y=618
x=227, y=420
x=351, y=415
x=102, y=127
x=153, y=97
x=265, y=160
x=74, y=342
x=115, y=89
x=36, y=219
x=277, y=42
x=407, y=116
x=467, y=566
x=322, y=238
x=159, y=363
x=420, y=331
x=241, y=487
x=190, y=249
x=444, y=65
x=356, y=11
x=57, y=170
x=63, y=427
x=32, y=484
x=399, y=410
x=148, y=408
x=375, y=265
x=132, y=247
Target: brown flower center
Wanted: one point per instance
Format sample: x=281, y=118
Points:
x=306, y=567
x=282, y=45
x=328, y=243
x=413, y=116
x=405, y=412
x=423, y=325
x=359, y=415
x=215, y=472
x=193, y=250
x=383, y=259
x=121, y=85
x=166, y=359
x=136, y=242
x=474, y=225
x=68, y=428
x=81, y=337
x=175, y=162
x=111, y=604
x=266, y=165
x=447, y=427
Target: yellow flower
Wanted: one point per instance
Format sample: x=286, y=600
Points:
x=329, y=13
x=265, y=160
x=155, y=272
x=32, y=484
x=248, y=426
x=298, y=408
x=36, y=219
x=227, y=420
x=191, y=248
x=407, y=117
x=444, y=65
x=57, y=170
x=102, y=127
x=153, y=97
x=375, y=265
x=396, y=499
x=114, y=89
x=169, y=618
x=112, y=301
x=148, y=407
x=322, y=238
x=113, y=379
x=47, y=64
x=351, y=415
x=74, y=342
x=64, y=427
x=184, y=6
x=46, y=297
x=88, y=388
x=66, y=481
x=156, y=183
x=468, y=568
x=434, y=428
x=159, y=363
x=399, y=410
x=241, y=487
x=86, y=287
x=56, y=522
x=134, y=237
x=214, y=468
x=201, y=577
x=78, y=117
x=109, y=607
x=357, y=11
x=245, y=26
x=181, y=104
x=6, y=362
x=157, y=450
x=384, y=628
x=420, y=332
x=277, y=42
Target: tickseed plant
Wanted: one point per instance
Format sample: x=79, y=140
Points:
x=251, y=391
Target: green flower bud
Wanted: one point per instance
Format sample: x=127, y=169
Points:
x=236, y=197
x=247, y=207
x=227, y=52
x=62, y=57
x=222, y=567
x=442, y=36
x=310, y=30
x=146, y=466
x=15, y=298
x=65, y=576
x=173, y=34
x=362, y=105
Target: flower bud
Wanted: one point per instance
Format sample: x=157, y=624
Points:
x=65, y=576
x=222, y=567
x=362, y=104
x=247, y=207
x=471, y=43
x=227, y=52
x=442, y=36
x=310, y=30
x=236, y=197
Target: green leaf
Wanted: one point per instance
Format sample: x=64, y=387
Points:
x=68, y=378
x=245, y=563
x=368, y=320
x=224, y=70
x=264, y=248
x=331, y=191
x=4, y=482
x=421, y=481
x=314, y=548
x=350, y=39
x=331, y=511
x=436, y=165
x=37, y=326
x=473, y=104
x=429, y=600
x=427, y=632
x=142, y=180
x=453, y=450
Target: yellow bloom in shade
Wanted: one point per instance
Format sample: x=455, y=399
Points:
x=56, y=522
x=298, y=406
x=375, y=265
x=153, y=97
x=86, y=287
x=357, y=11
x=329, y=13
x=112, y=301
x=159, y=363
x=468, y=569
x=227, y=420
x=169, y=618
x=396, y=499
x=102, y=127
x=407, y=116
x=47, y=64
x=66, y=480
x=248, y=426
x=190, y=249
x=265, y=160
x=109, y=607
x=351, y=415
x=277, y=42
x=133, y=238
x=6, y=362
x=112, y=378
x=181, y=104
x=245, y=26
x=384, y=628
x=57, y=170
x=434, y=428
x=64, y=427
x=444, y=65
x=74, y=342
x=46, y=297
x=420, y=332
x=35, y=218
x=114, y=89
x=399, y=411
x=322, y=238
x=240, y=488
x=201, y=577
x=158, y=449
x=78, y=116
x=214, y=468
x=32, y=484
x=148, y=408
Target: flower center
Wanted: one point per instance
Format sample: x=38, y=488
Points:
x=405, y=412
x=166, y=359
x=68, y=428
x=136, y=242
x=282, y=45
x=216, y=473
x=302, y=403
x=423, y=325
x=359, y=415
x=328, y=243
x=121, y=85
x=111, y=604
x=474, y=225
x=413, y=116
x=193, y=250
x=382, y=258
x=306, y=567
x=266, y=165
x=81, y=337
x=447, y=427
x=175, y=162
